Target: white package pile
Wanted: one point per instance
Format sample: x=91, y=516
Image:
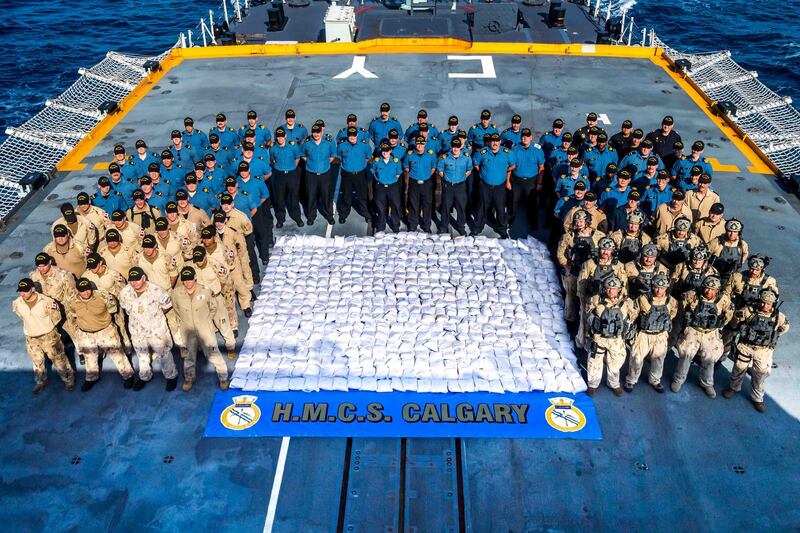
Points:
x=408, y=312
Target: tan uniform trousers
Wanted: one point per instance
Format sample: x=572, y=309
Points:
x=580, y=336
x=174, y=324
x=242, y=288
x=758, y=359
x=609, y=353
x=49, y=346
x=705, y=344
x=207, y=340
x=223, y=324
x=106, y=341
x=150, y=350
x=119, y=320
x=654, y=346
x=570, y=283
x=228, y=292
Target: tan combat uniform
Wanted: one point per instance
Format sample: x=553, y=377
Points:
x=112, y=282
x=233, y=282
x=639, y=276
x=744, y=290
x=233, y=240
x=144, y=217
x=240, y=222
x=702, y=336
x=71, y=257
x=82, y=231
x=707, y=231
x=755, y=348
x=131, y=236
x=150, y=332
x=210, y=276
x=95, y=217
x=730, y=255
x=59, y=285
x=699, y=204
x=121, y=259
x=187, y=236
x=655, y=316
x=194, y=216
x=599, y=220
x=566, y=254
x=97, y=334
x=608, y=341
x=590, y=283
x=195, y=312
x=161, y=269
x=665, y=217
x=42, y=341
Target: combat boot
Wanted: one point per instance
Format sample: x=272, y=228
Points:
x=658, y=388
x=628, y=388
x=139, y=385
x=39, y=387
x=676, y=387
x=590, y=391
x=231, y=354
x=710, y=392
x=87, y=386
x=760, y=406
x=248, y=312
x=128, y=383
x=187, y=386
x=223, y=385
x=617, y=391
x=171, y=384
x=728, y=393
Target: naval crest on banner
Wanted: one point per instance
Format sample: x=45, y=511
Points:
x=243, y=413
x=563, y=416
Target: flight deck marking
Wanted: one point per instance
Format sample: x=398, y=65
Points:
x=276, y=485
x=358, y=67
x=719, y=167
x=602, y=117
x=487, y=67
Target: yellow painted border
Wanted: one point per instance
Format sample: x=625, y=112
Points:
x=74, y=159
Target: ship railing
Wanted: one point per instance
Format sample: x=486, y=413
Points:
x=768, y=119
x=30, y=152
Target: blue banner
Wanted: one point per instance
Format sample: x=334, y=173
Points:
x=530, y=415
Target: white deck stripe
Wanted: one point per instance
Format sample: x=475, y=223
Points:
x=276, y=485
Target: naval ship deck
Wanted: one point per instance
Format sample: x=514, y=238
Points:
x=115, y=459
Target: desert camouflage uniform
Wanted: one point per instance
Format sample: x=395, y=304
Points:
x=149, y=330
x=112, y=282
x=59, y=285
x=82, y=231
x=42, y=340
x=606, y=350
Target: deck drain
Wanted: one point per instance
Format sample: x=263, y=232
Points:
x=738, y=469
x=740, y=178
x=77, y=187
x=780, y=199
x=168, y=459
x=642, y=466
x=52, y=197
x=781, y=228
x=767, y=208
x=712, y=145
x=15, y=255
x=76, y=460
x=753, y=189
x=702, y=132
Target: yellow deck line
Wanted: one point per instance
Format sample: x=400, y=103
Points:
x=760, y=163
x=719, y=167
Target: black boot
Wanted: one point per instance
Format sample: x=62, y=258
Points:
x=139, y=385
x=128, y=383
x=171, y=384
x=87, y=386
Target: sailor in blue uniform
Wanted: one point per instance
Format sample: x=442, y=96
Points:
x=295, y=132
x=379, y=126
x=227, y=135
x=511, y=136
x=258, y=151
x=222, y=154
x=618, y=218
x=386, y=171
x=284, y=157
x=560, y=154
x=255, y=188
x=123, y=187
x=647, y=178
x=621, y=141
x=527, y=178
x=213, y=174
x=565, y=167
x=171, y=174
x=259, y=165
x=126, y=165
x=352, y=122
x=636, y=161
x=659, y=194
x=681, y=170
x=183, y=154
x=615, y=196
x=478, y=131
x=243, y=202
x=194, y=137
x=153, y=197
x=105, y=198
x=591, y=140
x=263, y=135
x=581, y=135
x=431, y=142
x=143, y=158
x=608, y=179
x=565, y=183
x=454, y=168
x=664, y=138
x=552, y=139
x=355, y=153
x=419, y=166
x=397, y=146
x=415, y=128
x=495, y=165
x=445, y=136
x=201, y=198
x=673, y=157
x=564, y=204
x=318, y=154
x=597, y=158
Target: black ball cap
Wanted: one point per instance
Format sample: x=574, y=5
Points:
x=485, y=114
x=60, y=230
x=153, y=167
x=149, y=241
x=624, y=174
x=566, y=137
x=104, y=182
x=420, y=140
x=677, y=145
x=190, y=178
x=452, y=121
x=83, y=199
x=175, y=135
x=634, y=195
x=213, y=138
x=679, y=195
x=162, y=224
x=117, y=216
x=705, y=178
x=252, y=114
x=462, y=134
x=352, y=132
x=558, y=123
x=602, y=138
x=208, y=232
x=576, y=163
x=187, y=273
x=93, y=259
x=280, y=132
x=352, y=118
x=698, y=146
x=221, y=117
x=249, y=133
x=209, y=157
x=141, y=144
x=112, y=235
x=138, y=194
x=316, y=128
x=243, y=165
x=662, y=175
x=424, y=127
x=171, y=207
x=119, y=149
x=668, y=120
x=572, y=150
x=651, y=161
x=199, y=166
x=627, y=124
x=611, y=167
x=591, y=116
x=422, y=114
x=647, y=143
x=219, y=217
x=290, y=113
x=188, y=121
x=319, y=122
x=226, y=199
x=580, y=186
x=84, y=284
x=67, y=209
x=249, y=147
x=166, y=154
x=717, y=208
x=42, y=259
x=385, y=147
x=135, y=274
x=113, y=168
x=695, y=170
x=637, y=134
x=455, y=143
x=495, y=136
x=394, y=134
x=590, y=196
x=181, y=195
x=516, y=119
x=385, y=107
x=145, y=180
x=526, y=132
x=198, y=254
x=24, y=285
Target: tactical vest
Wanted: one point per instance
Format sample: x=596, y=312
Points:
x=760, y=330
x=601, y=272
x=610, y=324
x=641, y=284
x=145, y=218
x=657, y=320
x=583, y=248
x=752, y=290
x=705, y=315
x=678, y=252
x=729, y=259
x=629, y=248
x=693, y=280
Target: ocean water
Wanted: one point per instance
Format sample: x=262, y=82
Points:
x=44, y=43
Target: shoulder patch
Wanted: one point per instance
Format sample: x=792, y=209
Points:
x=230, y=129
x=474, y=126
x=376, y=158
x=536, y=145
x=705, y=160
x=505, y=150
x=430, y=151
x=261, y=126
x=608, y=189
x=410, y=152
x=396, y=160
